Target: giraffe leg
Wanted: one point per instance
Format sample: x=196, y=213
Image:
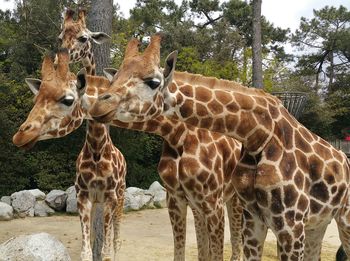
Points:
x=343, y=221
x=313, y=243
x=254, y=234
x=116, y=226
x=177, y=209
x=201, y=235
x=85, y=206
x=216, y=224
x=109, y=209
x=234, y=212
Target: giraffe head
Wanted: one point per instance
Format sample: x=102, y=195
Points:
x=135, y=94
x=57, y=107
x=77, y=38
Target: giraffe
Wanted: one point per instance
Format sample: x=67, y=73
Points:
x=177, y=197
x=59, y=109
x=288, y=179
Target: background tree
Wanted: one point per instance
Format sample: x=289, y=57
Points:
x=256, y=46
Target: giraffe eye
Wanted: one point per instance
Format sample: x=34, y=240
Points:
x=153, y=83
x=82, y=39
x=68, y=101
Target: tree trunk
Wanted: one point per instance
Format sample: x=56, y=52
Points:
x=257, y=57
x=100, y=20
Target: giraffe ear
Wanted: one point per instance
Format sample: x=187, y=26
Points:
x=169, y=68
x=81, y=81
x=99, y=37
x=34, y=85
x=109, y=73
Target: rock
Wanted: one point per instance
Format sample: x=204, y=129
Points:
x=38, y=194
x=23, y=203
x=56, y=199
x=6, y=211
x=71, y=200
x=36, y=247
x=159, y=192
x=41, y=209
x=6, y=199
x=136, y=199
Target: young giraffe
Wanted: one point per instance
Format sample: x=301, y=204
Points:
x=209, y=218
x=288, y=178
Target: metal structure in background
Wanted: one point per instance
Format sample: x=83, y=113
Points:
x=293, y=101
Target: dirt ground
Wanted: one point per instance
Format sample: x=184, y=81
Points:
x=146, y=235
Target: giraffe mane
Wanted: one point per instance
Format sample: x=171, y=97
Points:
x=219, y=84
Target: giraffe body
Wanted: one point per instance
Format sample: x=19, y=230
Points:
x=288, y=179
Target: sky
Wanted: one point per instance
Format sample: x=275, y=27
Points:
x=282, y=13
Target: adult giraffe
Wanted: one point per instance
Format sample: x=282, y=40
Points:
x=288, y=179
x=179, y=145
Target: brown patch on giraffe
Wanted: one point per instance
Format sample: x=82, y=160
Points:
x=260, y=101
x=203, y=136
x=273, y=150
x=245, y=102
x=231, y=122
x=191, y=144
x=290, y=217
x=301, y=143
x=276, y=201
x=87, y=165
x=179, y=98
x=290, y=195
x=247, y=123
x=323, y=151
x=202, y=94
x=305, y=134
x=212, y=183
x=166, y=169
x=263, y=117
x=232, y=107
x=261, y=197
x=285, y=114
x=203, y=176
x=337, y=155
x=299, y=180
x=302, y=203
x=111, y=184
x=81, y=183
x=278, y=223
x=320, y=191
x=298, y=230
x=315, y=207
x=152, y=126
x=172, y=87
x=222, y=97
x=288, y=165
x=274, y=112
x=337, y=198
x=201, y=110
x=187, y=90
x=189, y=165
x=255, y=140
x=192, y=121
x=174, y=138
x=218, y=125
x=166, y=128
x=215, y=107
x=206, y=123
x=302, y=161
x=286, y=131
x=266, y=175
x=316, y=167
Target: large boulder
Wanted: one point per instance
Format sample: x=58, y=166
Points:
x=136, y=198
x=23, y=203
x=41, y=209
x=6, y=211
x=6, y=199
x=36, y=247
x=38, y=194
x=56, y=199
x=71, y=200
x=159, y=193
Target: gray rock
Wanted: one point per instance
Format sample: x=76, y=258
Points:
x=56, y=199
x=36, y=247
x=41, y=209
x=6, y=211
x=6, y=199
x=136, y=198
x=159, y=192
x=23, y=203
x=38, y=194
x=71, y=200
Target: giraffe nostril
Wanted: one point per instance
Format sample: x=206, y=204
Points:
x=105, y=97
x=26, y=127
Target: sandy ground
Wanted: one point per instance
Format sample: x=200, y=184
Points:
x=146, y=234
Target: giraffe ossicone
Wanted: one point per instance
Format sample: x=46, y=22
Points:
x=288, y=179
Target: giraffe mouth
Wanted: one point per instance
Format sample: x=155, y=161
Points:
x=26, y=141
x=105, y=118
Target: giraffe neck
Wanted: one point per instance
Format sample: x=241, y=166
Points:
x=222, y=106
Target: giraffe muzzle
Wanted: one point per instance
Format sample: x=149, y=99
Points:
x=26, y=137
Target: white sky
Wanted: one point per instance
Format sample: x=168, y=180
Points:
x=282, y=13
